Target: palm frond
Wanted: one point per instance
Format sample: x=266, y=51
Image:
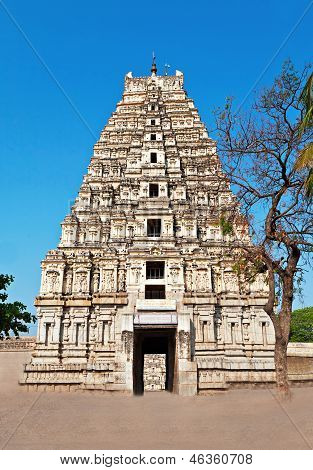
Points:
x=309, y=185
x=305, y=159
x=306, y=98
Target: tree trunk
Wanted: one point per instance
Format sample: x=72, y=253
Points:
x=281, y=325
x=282, y=329
x=282, y=382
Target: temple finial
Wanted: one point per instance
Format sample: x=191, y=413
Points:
x=154, y=67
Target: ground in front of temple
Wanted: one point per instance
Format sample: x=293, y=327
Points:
x=237, y=419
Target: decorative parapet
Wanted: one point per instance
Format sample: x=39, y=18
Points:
x=164, y=82
x=155, y=319
x=156, y=304
x=300, y=349
x=17, y=344
x=300, y=361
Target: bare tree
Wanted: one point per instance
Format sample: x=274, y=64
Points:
x=258, y=150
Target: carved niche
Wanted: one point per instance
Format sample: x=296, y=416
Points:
x=174, y=272
x=231, y=281
x=81, y=281
x=188, y=280
x=68, y=281
x=95, y=281
x=52, y=283
x=121, y=280
x=108, y=280
x=202, y=280
x=136, y=273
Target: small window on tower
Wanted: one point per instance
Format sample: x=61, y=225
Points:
x=153, y=157
x=153, y=190
x=152, y=136
x=155, y=292
x=48, y=332
x=154, y=227
x=152, y=107
x=155, y=270
x=152, y=122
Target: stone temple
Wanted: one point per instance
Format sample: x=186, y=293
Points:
x=143, y=269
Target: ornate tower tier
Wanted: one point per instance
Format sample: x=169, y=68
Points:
x=143, y=267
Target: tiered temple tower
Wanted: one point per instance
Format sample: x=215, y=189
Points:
x=143, y=266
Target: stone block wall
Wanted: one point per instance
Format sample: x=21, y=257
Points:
x=154, y=371
x=23, y=343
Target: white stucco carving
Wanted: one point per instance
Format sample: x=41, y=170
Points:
x=153, y=193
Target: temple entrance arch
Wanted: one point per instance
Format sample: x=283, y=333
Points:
x=153, y=341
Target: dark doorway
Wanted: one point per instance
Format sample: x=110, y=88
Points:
x=153, y=341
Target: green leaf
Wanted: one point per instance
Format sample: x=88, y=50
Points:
x=226, y=226
x=13, y=315
x=301, y=327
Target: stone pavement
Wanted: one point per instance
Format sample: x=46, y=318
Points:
x=239, y=419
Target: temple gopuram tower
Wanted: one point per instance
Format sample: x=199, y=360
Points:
x=143, y=267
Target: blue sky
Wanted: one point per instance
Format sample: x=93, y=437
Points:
x=222, y=48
